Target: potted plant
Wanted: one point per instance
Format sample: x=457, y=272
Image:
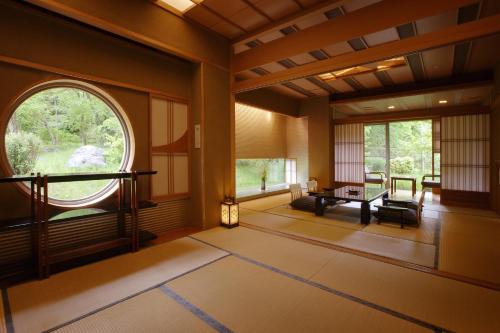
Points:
x=263, y=177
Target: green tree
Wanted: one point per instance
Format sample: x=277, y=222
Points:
x=23, y=150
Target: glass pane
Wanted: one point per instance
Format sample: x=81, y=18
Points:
x=65, y=130
x=375, y=150
x=410, y=150
x=249, y=173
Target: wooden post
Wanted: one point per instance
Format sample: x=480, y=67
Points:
x=46, y=227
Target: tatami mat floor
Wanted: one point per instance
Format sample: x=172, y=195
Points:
x=458, y=240
x=243, y=280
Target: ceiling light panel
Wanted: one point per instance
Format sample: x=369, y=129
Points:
x=180, y=5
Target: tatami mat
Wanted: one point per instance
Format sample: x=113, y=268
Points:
x=424, y=233
x=339, y=216
x=348, y=217
x=149, y=312
x=401, y=249
x=266, y=203
x=470, y=245
x=41, y=305
x=248, y=298
x=443, y=302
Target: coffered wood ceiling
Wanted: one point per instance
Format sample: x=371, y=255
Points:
x=279, y=43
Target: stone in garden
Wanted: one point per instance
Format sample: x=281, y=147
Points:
x=86, y=156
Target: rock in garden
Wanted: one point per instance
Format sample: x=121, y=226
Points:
x=86, y=156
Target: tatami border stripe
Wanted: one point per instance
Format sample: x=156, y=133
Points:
x=437, y=241
x=133, y=295
x=7, y=312
x=376, y=257
x=195, y=310
x=331, y=290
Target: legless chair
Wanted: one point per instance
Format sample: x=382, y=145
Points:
x=312, y=186
x=295, y=191
x=403, y=212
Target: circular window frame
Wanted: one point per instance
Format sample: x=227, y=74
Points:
x=128, y=135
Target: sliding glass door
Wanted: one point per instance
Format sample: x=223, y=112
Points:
x=410, y=150
x=401, y=149
x=376, y=148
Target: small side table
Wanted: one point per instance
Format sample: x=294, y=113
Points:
x=413, y=184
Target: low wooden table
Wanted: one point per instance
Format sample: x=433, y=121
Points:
x=362, y=194
x=413, y=184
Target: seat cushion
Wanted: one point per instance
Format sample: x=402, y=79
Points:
x=408, y=216
x=305, y=203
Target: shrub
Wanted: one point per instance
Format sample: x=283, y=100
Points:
x=23, y=150
x=402, y=165
x=375, y=163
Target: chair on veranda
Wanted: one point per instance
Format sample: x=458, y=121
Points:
x=401, y=211
x=375, y=177
x=432, y=182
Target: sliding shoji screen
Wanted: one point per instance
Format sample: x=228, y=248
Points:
x=349, y=153
x=169, y=148
x=465, y=153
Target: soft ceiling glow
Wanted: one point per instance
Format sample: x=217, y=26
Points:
x=390, y=107
x=442, y=101
x=370, y=68
x=181, y=5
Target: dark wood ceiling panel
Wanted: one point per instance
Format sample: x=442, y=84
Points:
x=401, y=75
x=226, y=29
x=436, y=22
x=202, y=15
x=368, y=81
x=484, y=54
x=338, y=49
x=353, y=5
x=381, y=37
x=307, y=3
x=340, y=86
x=224, y=7
x=438, y=63
x=303, y=58
x=248, y=19
x=310, y=21
x=276, y=9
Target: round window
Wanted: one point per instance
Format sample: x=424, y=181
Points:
x=68, y=126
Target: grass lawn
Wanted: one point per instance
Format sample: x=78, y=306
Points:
x=56, y=162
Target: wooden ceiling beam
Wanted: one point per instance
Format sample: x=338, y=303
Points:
x=288, y=20
x=377, y=17
x=446, y=36
x=479, y=79
x=427, y=113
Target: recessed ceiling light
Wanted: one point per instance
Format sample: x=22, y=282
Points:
x=442, y=101
x=390, y=107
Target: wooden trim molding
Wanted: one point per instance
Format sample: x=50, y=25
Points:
x=370, y=19
x=105, y=25
x=446, y=36
x=86, y=77
x=415, y=114
x=466, y=198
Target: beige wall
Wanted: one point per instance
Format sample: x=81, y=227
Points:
x=259, y=133
x=270, y=100
x=30, y=35
x=145, y=22
x=297, y=145
x=266, y=134
x=317, y=111
x=87, y=52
